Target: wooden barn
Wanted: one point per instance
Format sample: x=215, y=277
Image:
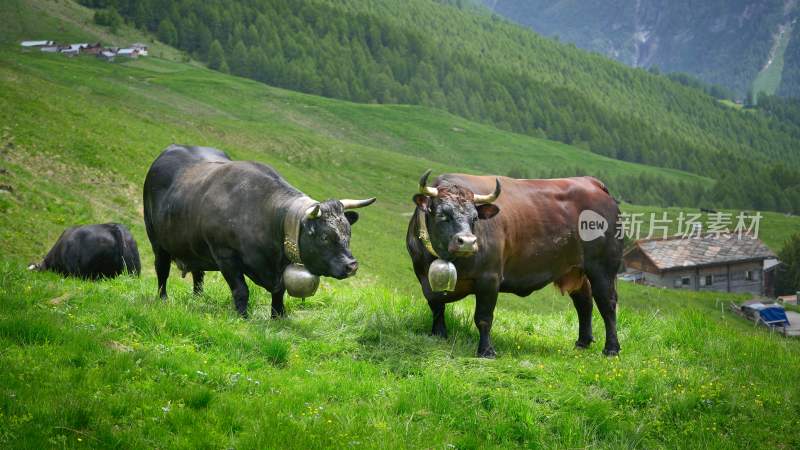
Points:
x=712, y=263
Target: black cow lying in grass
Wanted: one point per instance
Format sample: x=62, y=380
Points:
x=93, y=251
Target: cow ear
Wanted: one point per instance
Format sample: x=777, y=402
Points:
x=487, y=211
x=422, y=201
x=351, y=216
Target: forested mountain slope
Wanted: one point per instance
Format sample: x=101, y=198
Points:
x=720, y=41
x=790, y=82
x=485, y=69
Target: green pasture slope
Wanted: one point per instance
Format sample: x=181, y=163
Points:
x=768, y=79
x=107, y=364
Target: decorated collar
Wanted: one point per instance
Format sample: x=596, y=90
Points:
x=295, y=213
x=423, y=233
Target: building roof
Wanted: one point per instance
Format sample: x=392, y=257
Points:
x=35, y=43
x=675, y=253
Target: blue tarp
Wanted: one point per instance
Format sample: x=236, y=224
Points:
x=775, y=316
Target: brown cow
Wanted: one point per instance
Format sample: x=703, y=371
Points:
x=518, y=242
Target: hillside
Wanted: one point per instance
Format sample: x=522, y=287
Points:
x=108, y=365
x=484, y=69
x=790, y=81
x=721, y=42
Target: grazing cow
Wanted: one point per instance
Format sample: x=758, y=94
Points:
x=207, y=212
x=93, y=251
x=518, y=242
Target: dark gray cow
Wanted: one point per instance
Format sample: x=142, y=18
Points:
x=207, y=212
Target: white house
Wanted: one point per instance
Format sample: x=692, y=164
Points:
x=106, y=55
x=72, y=49
x=128, y=52
x=142, y=48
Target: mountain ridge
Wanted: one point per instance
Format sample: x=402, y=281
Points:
x=725, y=43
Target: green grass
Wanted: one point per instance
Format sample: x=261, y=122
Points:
x=107, y=364
x=731, y=104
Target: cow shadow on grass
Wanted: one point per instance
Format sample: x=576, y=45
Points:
x=384, y=326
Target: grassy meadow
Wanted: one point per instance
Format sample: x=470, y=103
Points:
x=108, y=365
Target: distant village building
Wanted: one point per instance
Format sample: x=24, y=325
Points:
x=69, y=50
x=709, y=263
x=128, y=52
x=72, y=49
x=91, y=49
x=35, y=44
x=107, y=55
x=141, y=48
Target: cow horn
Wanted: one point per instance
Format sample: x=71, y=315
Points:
x=353, y=204
x=481, y=199
x=313, y=212
x=424, y=188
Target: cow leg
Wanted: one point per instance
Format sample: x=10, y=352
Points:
x=278, y=309
x=485, y=302
x=439, y=328
x=197, y=281
x=605, y=295
x=582, y=300
x=162, y=263
x=231, y=265
x=437, y=305
x=241, y=294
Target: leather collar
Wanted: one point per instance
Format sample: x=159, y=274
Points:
x=423, y=234
x=295, y=213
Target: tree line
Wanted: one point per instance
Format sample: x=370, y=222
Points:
x=554, y=91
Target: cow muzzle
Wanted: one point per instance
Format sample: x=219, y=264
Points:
x=352, y=268
x=345, y=269
x=463, y=244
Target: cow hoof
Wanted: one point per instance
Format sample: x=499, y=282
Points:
x=611, y=352
x=581, y=345
x=487, y=353
x=439, y=333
